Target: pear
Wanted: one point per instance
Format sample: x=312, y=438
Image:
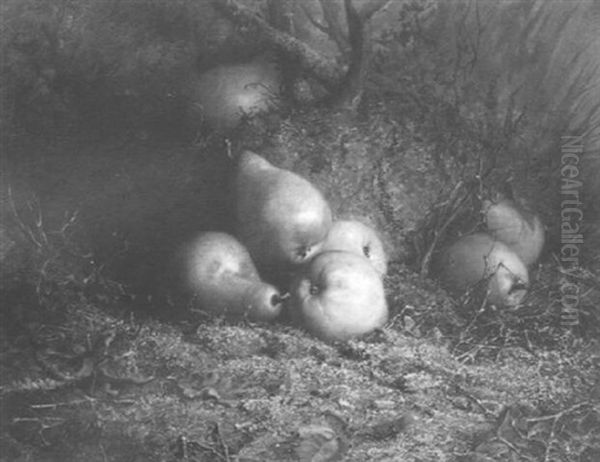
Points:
x=356, y=237
x=338, y=295
x=219, y=272
x=225, y=94
x=280, y=217
x=480, y=257
x=518, y=228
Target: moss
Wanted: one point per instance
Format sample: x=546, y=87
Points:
x=436, y=383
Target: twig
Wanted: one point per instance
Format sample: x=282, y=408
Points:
x=36, y=419
x=334, y=29
x=221, y=441
x=183, y=441
x=65, y=403
x=26, y=229
x=322, y=68
x=372, y=7
x=470, y=396
x=560, y=414
x=473, y=351
x=555, y=419
x=513, y=448
x=36, y=209
x=70, y=221
x=313, y=20
x=480, y=311
x=438, y=233
x=103, y=451
x=58, y=421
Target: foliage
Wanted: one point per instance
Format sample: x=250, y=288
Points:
x=87, y=374
x=222, y=391
x=51, y=267
x=102, y=63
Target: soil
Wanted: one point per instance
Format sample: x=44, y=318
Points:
x=98, y=364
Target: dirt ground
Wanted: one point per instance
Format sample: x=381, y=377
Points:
x=98, y=364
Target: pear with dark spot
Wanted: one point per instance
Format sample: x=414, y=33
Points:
x=479, y=257
x=220, y=275
x=356, y=237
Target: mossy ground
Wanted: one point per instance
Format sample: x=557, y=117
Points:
x=97, y=363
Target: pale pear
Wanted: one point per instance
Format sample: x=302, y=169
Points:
x=280, y=217
x=224, y=94
x=338, y=295
x=219, y=273
x=518, y=228
x=356, y=237
x=479, y=257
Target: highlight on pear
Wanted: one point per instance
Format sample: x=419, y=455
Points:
x=281, y=217
x=356, y=237
x=338, y=295
x=225, y=94
x=220, y=275
x=518, y=228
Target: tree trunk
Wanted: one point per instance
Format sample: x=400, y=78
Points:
x=351, y=90
x=347, y=87
x=325, y=70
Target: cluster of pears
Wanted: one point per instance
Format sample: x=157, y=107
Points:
x=513, y=240
x=328, y=275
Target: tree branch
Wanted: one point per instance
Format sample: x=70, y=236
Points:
x=322, y=68
x=313, y=20
x=331, y=14
x=352, y=88
x=372, y=7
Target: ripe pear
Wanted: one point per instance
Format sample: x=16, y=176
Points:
x=356, y=237
x=281, y=217
x=225, y=94
x=219, y=272
x=338, y=295
x=518, y=228
x=478, y=257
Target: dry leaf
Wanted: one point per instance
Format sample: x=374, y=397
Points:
x=318, y=443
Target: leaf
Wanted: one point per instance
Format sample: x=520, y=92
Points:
x=318, y=443
x=388, y=429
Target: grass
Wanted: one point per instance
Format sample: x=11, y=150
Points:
x=97, y=365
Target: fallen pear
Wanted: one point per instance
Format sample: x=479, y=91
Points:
x=337, y=296
x=225, y=94
x=518, y=228
x=480, y=257
x=219, y=273
x=356, y=237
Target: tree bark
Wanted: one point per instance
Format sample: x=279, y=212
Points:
x=347, y=87
x=372, y=7
x=335, y=27
x=325, y=70
x=280, y=15
x=351, y=90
